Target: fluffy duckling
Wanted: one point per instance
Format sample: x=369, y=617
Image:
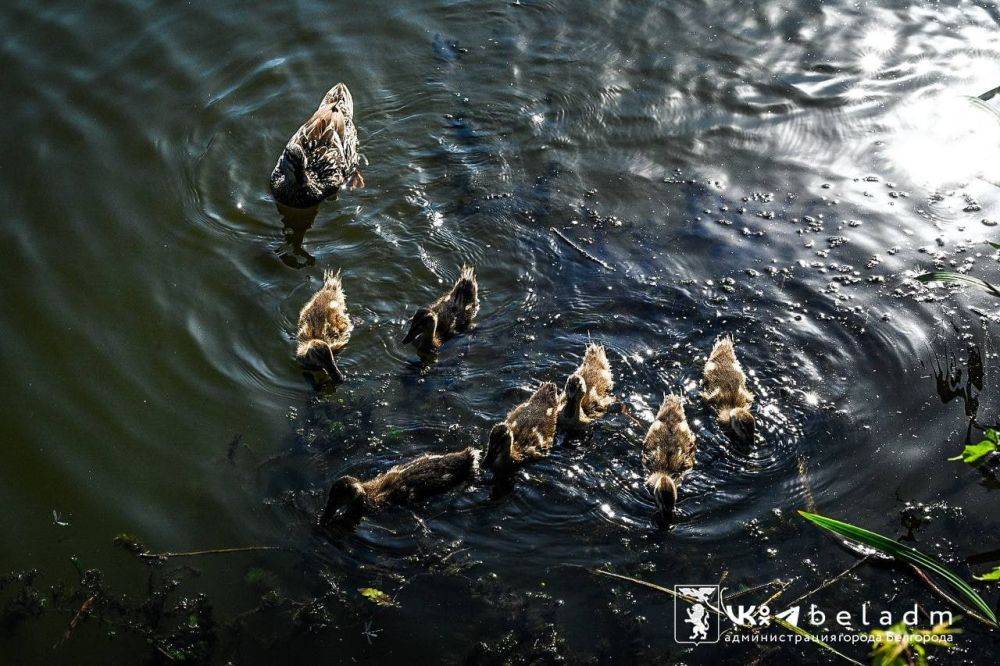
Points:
x=322, y=156
x=430, y=474
x=526, y=434
x=587, y=396
x=324, y=328
x=668, y=452
x=447, y=316
x=726, y=391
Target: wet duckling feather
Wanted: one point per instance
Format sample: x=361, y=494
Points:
x=324, y=328
x=725, y=389
x=418, y=479
x=446, y=317
x=587, y=395
x=668, y=452
x=526, y=434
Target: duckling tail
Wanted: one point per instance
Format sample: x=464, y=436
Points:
x=331, y=278
x=466, y=290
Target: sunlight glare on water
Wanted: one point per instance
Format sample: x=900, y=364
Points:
x=946, y=140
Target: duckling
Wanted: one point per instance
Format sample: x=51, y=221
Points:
x=526, y=434
x=324, y=328
x=449, y=315
x=430, y=474
x=322, y=156
x=726, y=391
x=668, y=452
x=587, y=396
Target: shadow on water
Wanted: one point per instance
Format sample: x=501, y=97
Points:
x=295, y=223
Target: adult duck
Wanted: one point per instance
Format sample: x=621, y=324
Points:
x=321, y=157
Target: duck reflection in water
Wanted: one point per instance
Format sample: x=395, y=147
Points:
x=949, y=378
x=295, y=223
x=968, y=383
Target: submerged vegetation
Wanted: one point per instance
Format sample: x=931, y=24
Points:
x=902, y=645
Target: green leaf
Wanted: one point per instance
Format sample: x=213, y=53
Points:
x=951, y=276
x=376, y=596
x=905, y=553
x=973, y=454
x=990, y=575
x=996, y=245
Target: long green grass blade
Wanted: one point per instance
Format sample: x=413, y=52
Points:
x=898, y=550
x=951, y=276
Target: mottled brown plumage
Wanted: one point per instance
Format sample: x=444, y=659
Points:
x=322, y=155
x=668, y=452
x=587, y=396
x=526, y=434
x=324, y=328
x=446, y=317
x=725, y=389
x=427, y=475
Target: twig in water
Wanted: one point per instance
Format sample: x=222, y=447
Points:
x=809, y=637
x=829, y=581
x=579, y=249
x=941, y=593
x=780, y=621
x=213, y=551
x=76, y=620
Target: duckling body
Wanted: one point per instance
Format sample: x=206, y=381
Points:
x=587, y=396
x=526, y=434
x=322, y=155
x=726, y=391
x=446, y=317
x=324, y=328
x=418, y=479
x=668, y=452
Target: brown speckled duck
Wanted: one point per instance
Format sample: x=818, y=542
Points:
x=587, y=396
x=324, y=328
x=725, y=389
x=447, y=316
x=668, y=452
x=430, y=474
x=526, y=434
x=322, y=156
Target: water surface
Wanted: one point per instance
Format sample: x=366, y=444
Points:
x=776, y=170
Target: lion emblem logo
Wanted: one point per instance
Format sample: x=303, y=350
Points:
x=698, y=623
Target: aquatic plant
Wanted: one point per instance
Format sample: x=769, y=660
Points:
x=902, y=645
x=377, y=596
x=912, y=556
x=990, y=575
x=951, y=276
x=975, y=454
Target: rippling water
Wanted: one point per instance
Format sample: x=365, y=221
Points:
x=778, y=170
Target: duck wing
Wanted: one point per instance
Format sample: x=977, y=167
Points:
x=322, y=141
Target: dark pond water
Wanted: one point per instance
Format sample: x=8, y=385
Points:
x=778, y=170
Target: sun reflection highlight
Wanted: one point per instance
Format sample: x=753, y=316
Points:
x=946, y=140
